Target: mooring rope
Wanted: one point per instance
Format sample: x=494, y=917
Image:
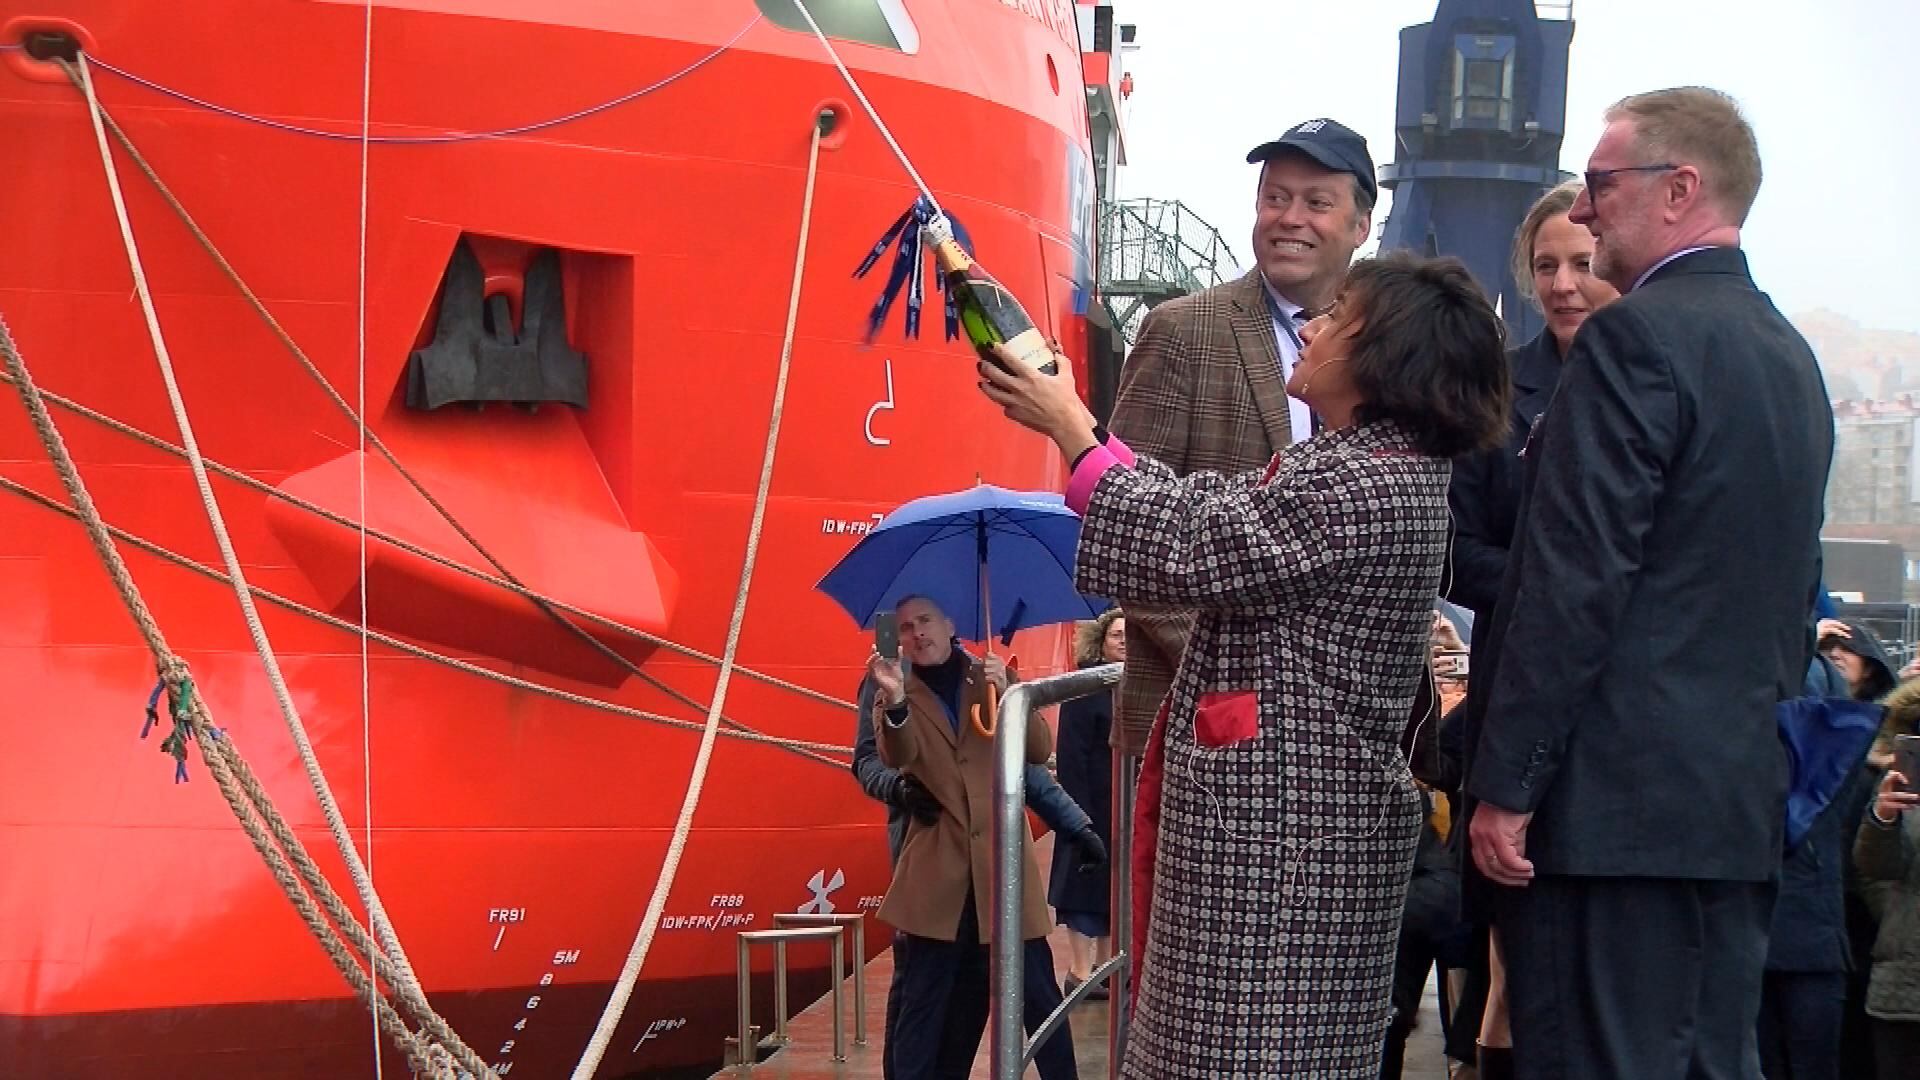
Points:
x=14, y=487
x=263, y=488
x=650, y=922
x=360, y=460
x=373, y=439
x=266, y=828
x=436, y=138
x=329, y=807
x=860, y=95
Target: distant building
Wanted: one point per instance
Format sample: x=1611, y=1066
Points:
x=1873, y=377
x=1861, y=363
x=1873, y=466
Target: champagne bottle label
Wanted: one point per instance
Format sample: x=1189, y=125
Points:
x=989, y=315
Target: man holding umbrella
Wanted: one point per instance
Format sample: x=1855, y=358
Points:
x=999, y=561
x=939, y=899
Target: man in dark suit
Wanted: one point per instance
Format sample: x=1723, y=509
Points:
x=1205, y=386
x=1630, y=780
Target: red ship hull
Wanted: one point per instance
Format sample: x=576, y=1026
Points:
x=514, y=838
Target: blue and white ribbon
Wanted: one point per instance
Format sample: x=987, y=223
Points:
x=909, y=271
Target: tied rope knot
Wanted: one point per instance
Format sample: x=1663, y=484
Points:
x=909, y=270
x=176, y=684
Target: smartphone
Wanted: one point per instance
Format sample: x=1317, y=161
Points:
x=1906, y=758
x=886, y=635
x=1451, y=664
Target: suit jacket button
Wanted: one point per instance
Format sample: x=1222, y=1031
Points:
x=976, y=834
x=1526, y=782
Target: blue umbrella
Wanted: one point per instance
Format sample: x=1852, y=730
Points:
x=964, y=551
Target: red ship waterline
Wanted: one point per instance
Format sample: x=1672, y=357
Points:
x=514, y=837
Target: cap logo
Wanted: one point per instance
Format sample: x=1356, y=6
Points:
x=1310, y=127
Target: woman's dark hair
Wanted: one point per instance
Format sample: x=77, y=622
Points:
x=1430, y=354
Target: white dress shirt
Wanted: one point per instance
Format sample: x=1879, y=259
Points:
x=1642, y=280
x=1286, y=336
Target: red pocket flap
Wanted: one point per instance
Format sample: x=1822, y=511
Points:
x=1226, y=717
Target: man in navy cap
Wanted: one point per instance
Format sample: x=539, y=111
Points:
x=1205, y=385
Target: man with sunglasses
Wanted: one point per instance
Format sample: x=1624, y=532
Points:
x=1630, y=778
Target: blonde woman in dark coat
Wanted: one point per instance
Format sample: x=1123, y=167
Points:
x=1079, y=892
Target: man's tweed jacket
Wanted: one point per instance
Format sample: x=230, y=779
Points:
x=1202, y=390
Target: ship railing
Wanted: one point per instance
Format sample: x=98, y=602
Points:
x=1152, y=250
x=743, y=1049
x=858, y=943
x=1010, y=1051
x=1156, y=245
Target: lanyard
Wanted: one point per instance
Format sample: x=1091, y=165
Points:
x=1283, y=321
x=1287, y=324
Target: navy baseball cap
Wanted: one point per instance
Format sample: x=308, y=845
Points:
x=1332, y=144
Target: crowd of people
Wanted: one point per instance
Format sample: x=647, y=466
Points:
x=1323, y=488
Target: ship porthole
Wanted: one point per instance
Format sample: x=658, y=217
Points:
x=39, y=43
x=834, y=120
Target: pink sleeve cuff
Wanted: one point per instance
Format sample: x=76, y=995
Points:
x=1092, y=467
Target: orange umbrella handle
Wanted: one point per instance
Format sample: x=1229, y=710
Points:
x=992, y=723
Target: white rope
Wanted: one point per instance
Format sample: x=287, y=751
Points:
x=360, y=411
x=861, y=96
x=376, y=915
x=811, y=750
x=637, y=955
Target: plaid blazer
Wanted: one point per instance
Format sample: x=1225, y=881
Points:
x=1201, y=392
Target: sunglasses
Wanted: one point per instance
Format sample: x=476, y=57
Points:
x=1597, y=178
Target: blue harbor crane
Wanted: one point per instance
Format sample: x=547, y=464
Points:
x=1477, y=128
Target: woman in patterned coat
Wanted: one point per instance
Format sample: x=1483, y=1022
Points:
x=1278, y=821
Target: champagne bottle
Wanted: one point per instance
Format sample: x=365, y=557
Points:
x=989, y=315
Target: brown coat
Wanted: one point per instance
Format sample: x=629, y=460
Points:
x=939, y=862
x=1201, y=391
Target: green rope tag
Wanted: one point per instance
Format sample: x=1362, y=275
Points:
x=181, y=705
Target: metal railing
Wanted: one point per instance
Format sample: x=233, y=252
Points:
x=747, y=1045
x=1152, y=250
x=859, y=945
x=1010, y=1051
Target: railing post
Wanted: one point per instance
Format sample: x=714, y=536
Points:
x=780, y=994
x=839, y=1013
x=1126, y=770
x=859, y=924
x=1006, y=1050
x=834, y=935
x=749, y=1056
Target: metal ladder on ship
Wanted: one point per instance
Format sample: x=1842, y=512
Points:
x=1010, y=1049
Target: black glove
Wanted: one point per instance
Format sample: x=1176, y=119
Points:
x=913, y=797
x=1090, y=853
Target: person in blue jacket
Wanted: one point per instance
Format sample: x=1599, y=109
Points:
x=1805, y=992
